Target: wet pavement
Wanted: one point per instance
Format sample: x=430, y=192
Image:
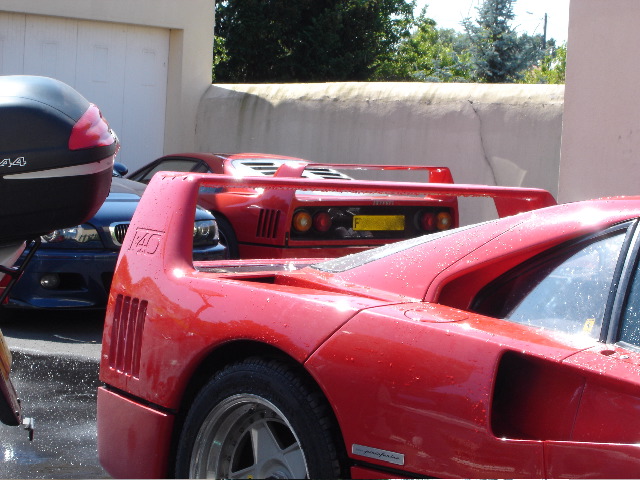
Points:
x=55, y=372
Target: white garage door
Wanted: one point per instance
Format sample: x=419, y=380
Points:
x=121, y=68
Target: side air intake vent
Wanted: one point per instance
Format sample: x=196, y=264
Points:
x=268, y=223
x=126, y=335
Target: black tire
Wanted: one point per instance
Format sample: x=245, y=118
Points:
x=227, y=237
x=263, y=403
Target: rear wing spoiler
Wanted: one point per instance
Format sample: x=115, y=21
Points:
x=508, y=200
x=435, y=174
x=169, y=200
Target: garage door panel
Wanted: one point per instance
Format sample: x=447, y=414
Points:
x=50, y=48
x=12, y=27
x=146, y=80
x=100, y=69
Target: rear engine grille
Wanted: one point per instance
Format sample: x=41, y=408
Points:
x=126, y=335
x=268, y=223
x=270, y=167
x=324, y=173
x=265, y=168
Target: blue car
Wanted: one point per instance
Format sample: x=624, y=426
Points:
x=73, y=267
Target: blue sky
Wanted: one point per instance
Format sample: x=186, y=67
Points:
x=529, y=15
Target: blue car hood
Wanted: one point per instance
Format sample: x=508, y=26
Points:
x=118, y=207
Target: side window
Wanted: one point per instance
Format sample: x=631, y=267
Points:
x=630, y=326
x=201, y=168
x=566, y=292
x=174, y=166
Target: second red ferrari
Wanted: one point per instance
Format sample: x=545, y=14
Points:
x=276, y=223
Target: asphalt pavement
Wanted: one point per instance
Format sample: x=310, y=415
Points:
x=68, y=334
x=55, y=371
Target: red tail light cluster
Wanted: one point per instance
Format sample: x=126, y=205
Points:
x=303, y=221
x=434, y=221
x=346, y=222
x=91, y=130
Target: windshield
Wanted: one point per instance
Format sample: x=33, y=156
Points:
x=343, y=264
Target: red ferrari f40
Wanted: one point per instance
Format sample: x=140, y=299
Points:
x=505, y=349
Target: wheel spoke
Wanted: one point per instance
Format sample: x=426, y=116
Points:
x=265, y=445
x=294, y=459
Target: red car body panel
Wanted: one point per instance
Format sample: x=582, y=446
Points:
x=143, y=452
x=426, y=400
x=407, y=368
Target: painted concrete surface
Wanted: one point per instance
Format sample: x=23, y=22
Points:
x=601, y=135
x=488, y=134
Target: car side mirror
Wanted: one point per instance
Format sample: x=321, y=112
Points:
x=119, y=169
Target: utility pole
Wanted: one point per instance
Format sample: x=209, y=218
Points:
x=544, y=35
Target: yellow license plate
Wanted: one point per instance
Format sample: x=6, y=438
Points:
x=378, y=222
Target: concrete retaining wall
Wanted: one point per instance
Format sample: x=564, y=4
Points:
x=488, y=134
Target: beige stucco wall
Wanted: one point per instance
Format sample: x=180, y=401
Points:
x=190, y=52
x=601, y=135
x=488, y=134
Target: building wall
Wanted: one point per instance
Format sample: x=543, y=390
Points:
x=601, y=134
x=188, y=25
x=487, y=134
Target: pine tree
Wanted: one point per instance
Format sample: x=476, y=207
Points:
x=498, y=53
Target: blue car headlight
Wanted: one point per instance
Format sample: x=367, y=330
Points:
x=205, y=232
x=81, y=236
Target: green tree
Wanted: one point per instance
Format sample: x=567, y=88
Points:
x=498, y=53
x=307, y=40
x=430, y=54
x=551, y=69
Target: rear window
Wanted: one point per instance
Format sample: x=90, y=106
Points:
x=566, y=291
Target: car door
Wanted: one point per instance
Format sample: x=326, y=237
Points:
x=583, y=407
x=605, y=439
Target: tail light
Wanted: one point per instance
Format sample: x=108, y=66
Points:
x=91, y=130
x=428, y=221
x=444, y=221
x=302, y=221
x=434, y=221
x=322, y=222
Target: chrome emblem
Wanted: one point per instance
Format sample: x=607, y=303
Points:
x=17, y=162
x=378, y=454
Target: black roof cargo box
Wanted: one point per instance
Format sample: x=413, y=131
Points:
x=56, y=157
